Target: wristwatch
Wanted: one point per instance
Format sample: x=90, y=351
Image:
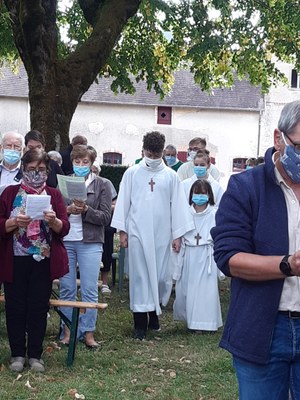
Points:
x=285, y=267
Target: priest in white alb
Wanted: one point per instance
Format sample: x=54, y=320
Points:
x=152, y=215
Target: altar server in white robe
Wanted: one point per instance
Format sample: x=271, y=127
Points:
x=152, y=214
x=197, y=296
x=201, y=167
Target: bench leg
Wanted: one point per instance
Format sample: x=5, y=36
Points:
x=72, y=325
x=73, y=337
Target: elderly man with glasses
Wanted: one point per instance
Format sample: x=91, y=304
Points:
x=12, y=144
x=257, y=243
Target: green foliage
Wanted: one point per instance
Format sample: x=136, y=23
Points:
x=76, y=29
x=8, y=51
x=215, y=39
x=114, y=173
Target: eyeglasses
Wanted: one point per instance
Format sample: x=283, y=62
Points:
x=196, y=148
x=37, y=170
x=296, y=145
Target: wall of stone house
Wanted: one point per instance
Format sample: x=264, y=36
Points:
x=120, y=128
x=14, y=115
x=274, y=102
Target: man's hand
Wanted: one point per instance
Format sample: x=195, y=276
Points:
x=294, y=261
x=176, y=245
x=123, y=239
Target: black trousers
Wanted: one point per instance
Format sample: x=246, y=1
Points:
x=26, y=305
x=145, y=320
x=108, y=248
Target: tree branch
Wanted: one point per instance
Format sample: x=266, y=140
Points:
x=13, y=7
x=86, y=62
x=90, y=9
x=35, y=31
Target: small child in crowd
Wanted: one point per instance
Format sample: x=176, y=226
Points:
x=197, y=297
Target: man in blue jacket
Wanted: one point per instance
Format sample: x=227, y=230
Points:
x=257, y=242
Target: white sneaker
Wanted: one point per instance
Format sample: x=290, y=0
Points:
x=105, y=289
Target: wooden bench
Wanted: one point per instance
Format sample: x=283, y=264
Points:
x=78, y=307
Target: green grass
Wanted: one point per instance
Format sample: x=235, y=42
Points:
x=170, y=365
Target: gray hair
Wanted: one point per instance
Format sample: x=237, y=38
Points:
x=171, y=148
x=16, y=135
x=289, y=117
x=56, y=156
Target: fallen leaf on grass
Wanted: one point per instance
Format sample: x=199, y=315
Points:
x=79, y=396
x=157, y=338
x=55, y=346
x=161, y=370
x=181, y=346
x=72, y=392
x=123, y=390
x=2, y=367
x=171, y=373
x=27, y=384
x=49, y=349
x=184, y=360
x=149, y=390
x=50, y=379
x=18, y=377
x=154, y=359
x=133, y=381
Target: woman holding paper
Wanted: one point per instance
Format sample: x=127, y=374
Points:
x=84, y=243
x=32, y=255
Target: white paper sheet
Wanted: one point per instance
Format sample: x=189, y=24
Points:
x=36, y=204
x=72, y=187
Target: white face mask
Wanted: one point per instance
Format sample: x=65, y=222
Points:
x=191, y=155
x=152, y=163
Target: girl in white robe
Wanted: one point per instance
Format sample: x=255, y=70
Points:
x=197, y=297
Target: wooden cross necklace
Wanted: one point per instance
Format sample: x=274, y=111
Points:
x=151, y=183
x=197, y=237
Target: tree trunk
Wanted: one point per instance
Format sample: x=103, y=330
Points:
x=52, y=105
x=56, y=86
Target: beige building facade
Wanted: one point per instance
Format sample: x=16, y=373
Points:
x=237, y=122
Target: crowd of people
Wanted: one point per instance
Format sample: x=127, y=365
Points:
x=180, y=229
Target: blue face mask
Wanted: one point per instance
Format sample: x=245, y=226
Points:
x=199, y=171
x=171, y=160
x=11, y=157
x=81, y=170
x=249, y=167
x=290, y=161
x=200, y=199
